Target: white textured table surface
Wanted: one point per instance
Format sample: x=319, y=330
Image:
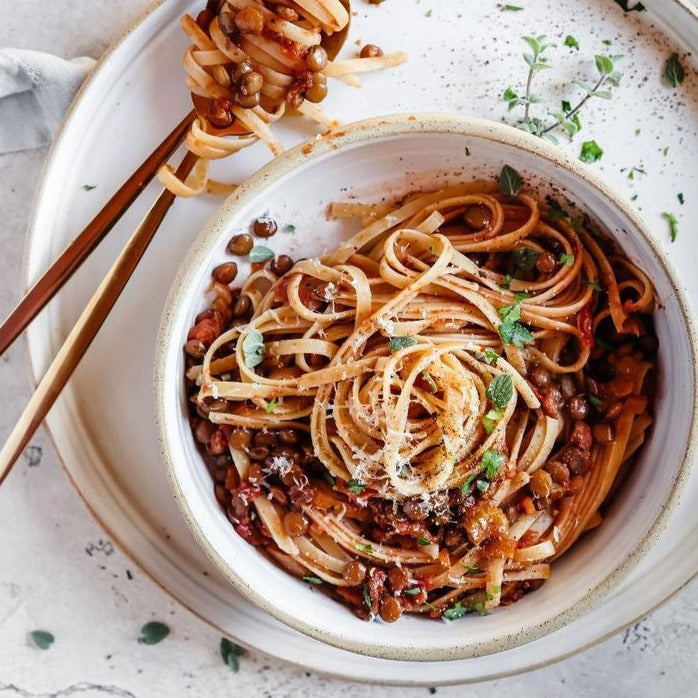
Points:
x=59, y=573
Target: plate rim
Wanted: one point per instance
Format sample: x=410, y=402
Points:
x=107, y=56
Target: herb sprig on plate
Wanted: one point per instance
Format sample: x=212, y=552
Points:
x=567, y=117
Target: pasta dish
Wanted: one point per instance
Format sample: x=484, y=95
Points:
x=425, y=418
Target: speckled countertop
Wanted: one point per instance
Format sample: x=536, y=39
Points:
x=60, y=574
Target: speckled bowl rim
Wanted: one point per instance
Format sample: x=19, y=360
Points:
x=364, y=132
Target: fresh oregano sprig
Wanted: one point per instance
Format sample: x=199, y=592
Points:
x=567, y=118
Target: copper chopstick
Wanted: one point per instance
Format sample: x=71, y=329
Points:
x=80, y=248
x=88, y=325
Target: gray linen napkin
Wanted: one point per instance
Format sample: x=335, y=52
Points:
x=35, y=90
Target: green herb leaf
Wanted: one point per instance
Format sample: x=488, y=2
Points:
x=41, y=639
x=428, y=13
x=273, y=404
x=507, y=282
x=496, y=588
x=455, y=612
x=500, y=391
x=89, y=187
x=594, y=400
x=673, y=71
x=253, y=348
x=397, y=343
x=312, y=580
x=491, y=462
x=509, y=181
x=153, y=632
x=328, y=478
x=594, y=285
x=572, y=43
x=261, y=253
x=365, y=548
x=230, y=654
x=637, y=7
x=489, y=421
x=512, y=8
x=471, y=569
x=367, y=597
x=423, y=541
x=525, y=258
x=604, y=65
x=290, y=228
x=355, y=487
x=567, y=259
x=465, y=487
x=515, y=333
x=482, y=485
x=679, y=196
x=412, y=592
x=591, y=152
x=673, y=224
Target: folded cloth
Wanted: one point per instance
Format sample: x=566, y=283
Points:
x=35, y=91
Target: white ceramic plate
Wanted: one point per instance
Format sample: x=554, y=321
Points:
x=371, y=160
x=103, y=425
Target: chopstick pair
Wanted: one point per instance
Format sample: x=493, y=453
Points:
x=104, y=298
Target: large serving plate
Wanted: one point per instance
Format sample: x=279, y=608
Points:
x=103, y=425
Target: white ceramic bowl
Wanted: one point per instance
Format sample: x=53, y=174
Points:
x=382, y=157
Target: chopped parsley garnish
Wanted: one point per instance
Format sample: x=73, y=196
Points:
x=313, y=580
x=428, y=13
x=482, y=485
x=489, y=421
x=89, y=187
x=590, y=152
x=679, y=196
x=594, y=401
x=567, y=259
x=471, y=569
x=488, y=356
x=507, y=282
x=290, y=228
x=365, y=548
x=673, y=71
x=455, y=612
x=572, y=43
x=492, y=461
x=253, y=348
x=261, y=253
x=500, y=391
x=512, y=8
x=673, y=224
x=397, y=343
x=511, y=330
x=594, y=285
x=356, y=487
x=153, y=632
x=327, y=477
x=496, y=588
x=273, y=404
x=525, y=258
x=515, y=333
x=509, y=181
x=465, y=487
x=367, y=597
x=423, y=541
x=412, y=592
